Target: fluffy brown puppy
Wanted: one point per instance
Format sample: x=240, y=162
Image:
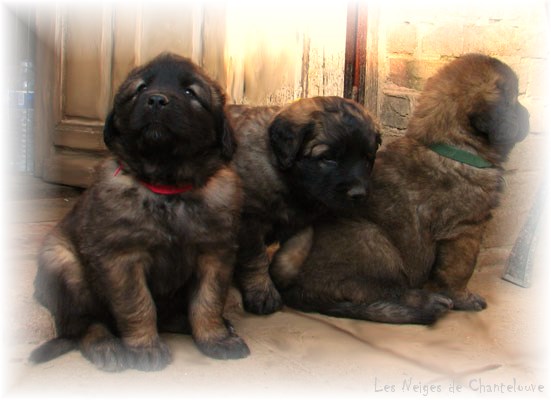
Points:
x=297, y=163
x=151, y=244
x=411, y=252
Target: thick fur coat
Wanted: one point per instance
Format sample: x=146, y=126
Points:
x=151, y=244
x=408, y=254
x=298, y=163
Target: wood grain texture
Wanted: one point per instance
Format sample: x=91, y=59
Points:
x=45, y=99
x=71, y=168
x=86, y=61
x=166, y=29
x=260, y=55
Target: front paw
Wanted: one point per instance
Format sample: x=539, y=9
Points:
x=108, y=354
x=439, y=303
x=431, y=306
x=153, y=357
x=467, y=301
x=226, y=348
x=262, y=301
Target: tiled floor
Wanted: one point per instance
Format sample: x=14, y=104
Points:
x=293, y=354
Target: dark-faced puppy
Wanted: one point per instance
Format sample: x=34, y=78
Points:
x=152, y=243
x=410, y=253
x=297, y=163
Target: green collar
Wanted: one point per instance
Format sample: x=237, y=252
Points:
x=462, y=156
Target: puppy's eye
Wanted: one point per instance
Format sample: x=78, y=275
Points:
x=190, y=92
x=327, y=161
x=141, y=87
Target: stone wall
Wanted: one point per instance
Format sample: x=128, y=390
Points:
x=416, y=38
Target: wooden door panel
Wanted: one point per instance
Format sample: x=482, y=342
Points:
x=259, y=55
x=78, y=136
x=211, y=51
x=166, y=29
x=276, y=55
x=73, y=168
x=86, y=61
x=125, y=31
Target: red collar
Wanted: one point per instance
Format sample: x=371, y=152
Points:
x=161, y=189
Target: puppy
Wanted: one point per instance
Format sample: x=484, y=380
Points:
x=297, y=163
x=409, y=254
x=151, y=244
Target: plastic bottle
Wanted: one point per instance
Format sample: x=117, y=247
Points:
x=22, y=115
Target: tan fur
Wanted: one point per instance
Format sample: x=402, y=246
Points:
x=297, y=162
x=128, y=261
x=410, y=250
x=292, y=254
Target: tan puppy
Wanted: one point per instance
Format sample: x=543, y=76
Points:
x=298, y=163
x=152, y=243
x=411, y=250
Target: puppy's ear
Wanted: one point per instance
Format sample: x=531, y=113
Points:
x=224, y=129
x=286, y=138
x=378, y=139
x=227, y=139
x=110, y=132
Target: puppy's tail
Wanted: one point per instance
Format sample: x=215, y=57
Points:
x=53, y=349
x=288, y=260
x=383, y=311
x=386, y=311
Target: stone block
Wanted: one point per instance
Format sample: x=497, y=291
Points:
x=395, y=111
x=537, y=77
x=497, y=39
x=412, y=74
x=540, y=114
x=398, y=72
x=444, y=40
x=402, y=39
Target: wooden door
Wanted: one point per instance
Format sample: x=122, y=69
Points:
x=259, y=54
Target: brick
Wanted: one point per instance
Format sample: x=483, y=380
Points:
x=534, y=83
x=537, y=78
x=402, y=39
x=412, y=74
x=445, y=40
x=535, y=44
x=497, y=39
x=539, y=113
x=522, y=69
x=535, y=36
x=398, y=72
x=422, y=70
x=395, y=111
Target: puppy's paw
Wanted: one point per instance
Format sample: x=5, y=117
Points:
x=426, y=300
x=467, y=301
x=108, y=354
x=229, y=347
x=425, y=307
x=262, y=301
x=439, y=303
x=149, y=358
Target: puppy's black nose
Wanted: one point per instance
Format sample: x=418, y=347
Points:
x=157, y=100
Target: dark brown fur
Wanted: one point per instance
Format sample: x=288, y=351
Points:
x=297, y=163
x=410, y=254
x=127, y=262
